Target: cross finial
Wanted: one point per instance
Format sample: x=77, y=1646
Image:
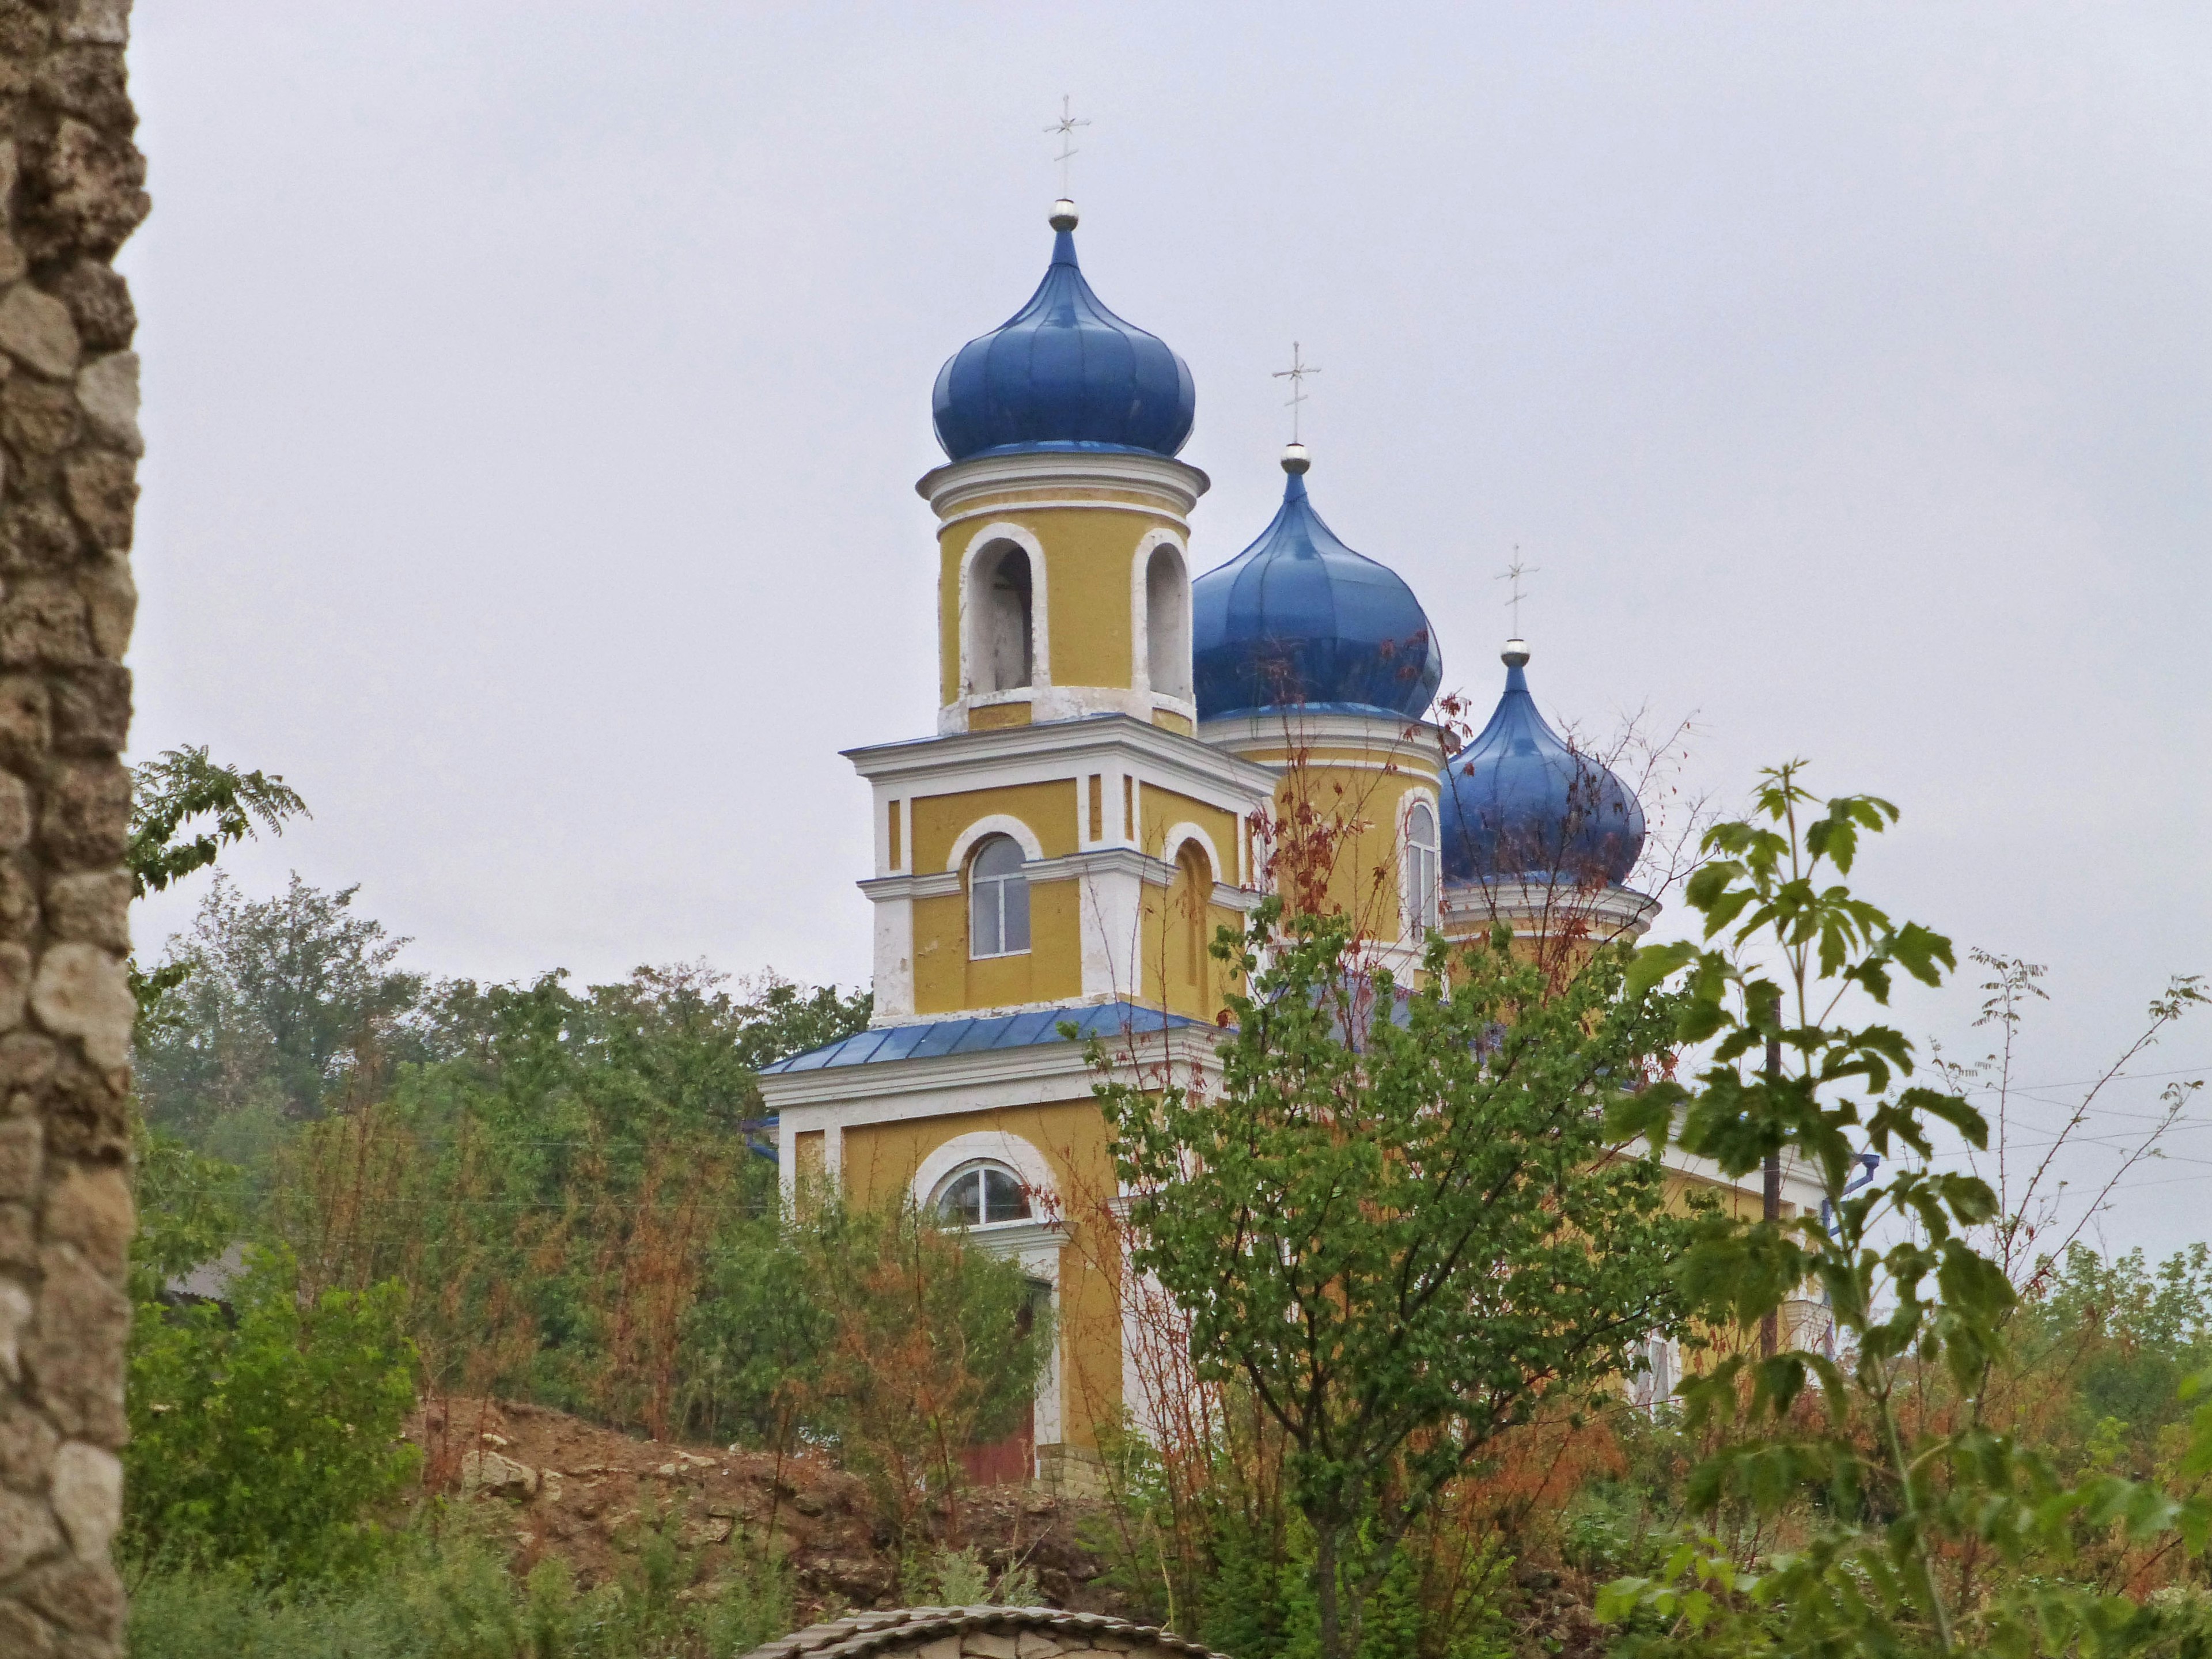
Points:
x=1513, y=573
x=1295, y=374
x=1064, y=128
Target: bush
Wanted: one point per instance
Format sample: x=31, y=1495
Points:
x=264, y=1435
x=445, y=1591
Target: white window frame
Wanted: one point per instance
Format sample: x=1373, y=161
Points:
x=981, y=1167
x=998, y=885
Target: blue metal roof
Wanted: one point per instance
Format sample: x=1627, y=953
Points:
x=1063, y=373
x=1299, y=619
x=972, y=1034
x=1519, y=803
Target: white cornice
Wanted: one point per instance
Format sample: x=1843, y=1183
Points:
x=1325, y=729
x=1531, y=908
x=948, y=490
x=1059, y=749
x=888, y=890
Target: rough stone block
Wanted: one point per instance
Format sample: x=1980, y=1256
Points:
x=93, y=196
x=106, y=22
x=98, y=302
x=38, y=417
x=23, y=1634
x=19, y=1236
x=88, y=1112
x=92, y=709
x=27, y=1061
x=82, y=1597
x=108, y=393
x=1034, y=1644
x=22, y=1153
x=19, y=899
x=111, y=603
x=94, y=907
x=88, y=1497
x=945, y=1647
x=91, y=1208
x=82, y=991
x=16, y=1311
x=87, y=80
x=38, y=332
x=987, y=1645
x=73, y=1351
x=43, y=622
x=86, y=822
x=15, y=817
x=103, y=493
x=28, y=1531
x=25, y=720
x=27, y=1443
x=501, y=1476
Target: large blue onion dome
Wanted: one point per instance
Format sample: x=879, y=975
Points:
x=1063, y=373
x=1299, y=619
x=1520, y=804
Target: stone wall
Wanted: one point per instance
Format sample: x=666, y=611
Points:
x=71, y=186
x=981, y=1633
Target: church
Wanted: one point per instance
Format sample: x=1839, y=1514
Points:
x=1124, y=755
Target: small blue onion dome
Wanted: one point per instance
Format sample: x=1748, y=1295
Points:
x=1519, y=805
x=1299, y=619
x=1063, y=373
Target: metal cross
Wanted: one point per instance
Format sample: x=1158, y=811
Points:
x=1295, y=374
x=1513, y=573
x=1065, y=128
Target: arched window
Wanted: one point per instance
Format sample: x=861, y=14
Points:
x=978, y=1195
x=998, y=899
x=1421, y=869
x=1167, y=623
x=1002, y=640
x=1195, y=884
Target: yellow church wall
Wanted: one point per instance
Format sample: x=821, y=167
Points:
x=946, y=979
x=1365, y=879
x=1162, y=809
x=879, y=1161
x=1049, y=809
x=1089, y=558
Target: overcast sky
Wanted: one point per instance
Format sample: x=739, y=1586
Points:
x=535, y=391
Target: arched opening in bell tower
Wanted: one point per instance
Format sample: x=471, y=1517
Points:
x=1002, y=618
x=1167, y=623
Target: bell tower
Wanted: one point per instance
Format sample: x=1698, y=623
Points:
x=1064, y=561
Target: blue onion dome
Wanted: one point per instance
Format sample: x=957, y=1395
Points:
x=1520, y=804
x=1299, y=619
x=1063, y=373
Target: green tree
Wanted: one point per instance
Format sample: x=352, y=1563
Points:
x=1400, y=1219
x=266, y=1434
x=1924, y=1534
x=269, y=1003
x=182, y=786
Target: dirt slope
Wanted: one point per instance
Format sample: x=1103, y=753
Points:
x=566, y=1487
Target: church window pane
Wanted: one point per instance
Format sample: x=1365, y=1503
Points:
x=982, y=1194
x=997, y=899
x=1421, y=869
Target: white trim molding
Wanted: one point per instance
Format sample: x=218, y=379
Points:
x=1184, y=830
x=992, y=823
x=1174, y=485
x=990, y=1146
